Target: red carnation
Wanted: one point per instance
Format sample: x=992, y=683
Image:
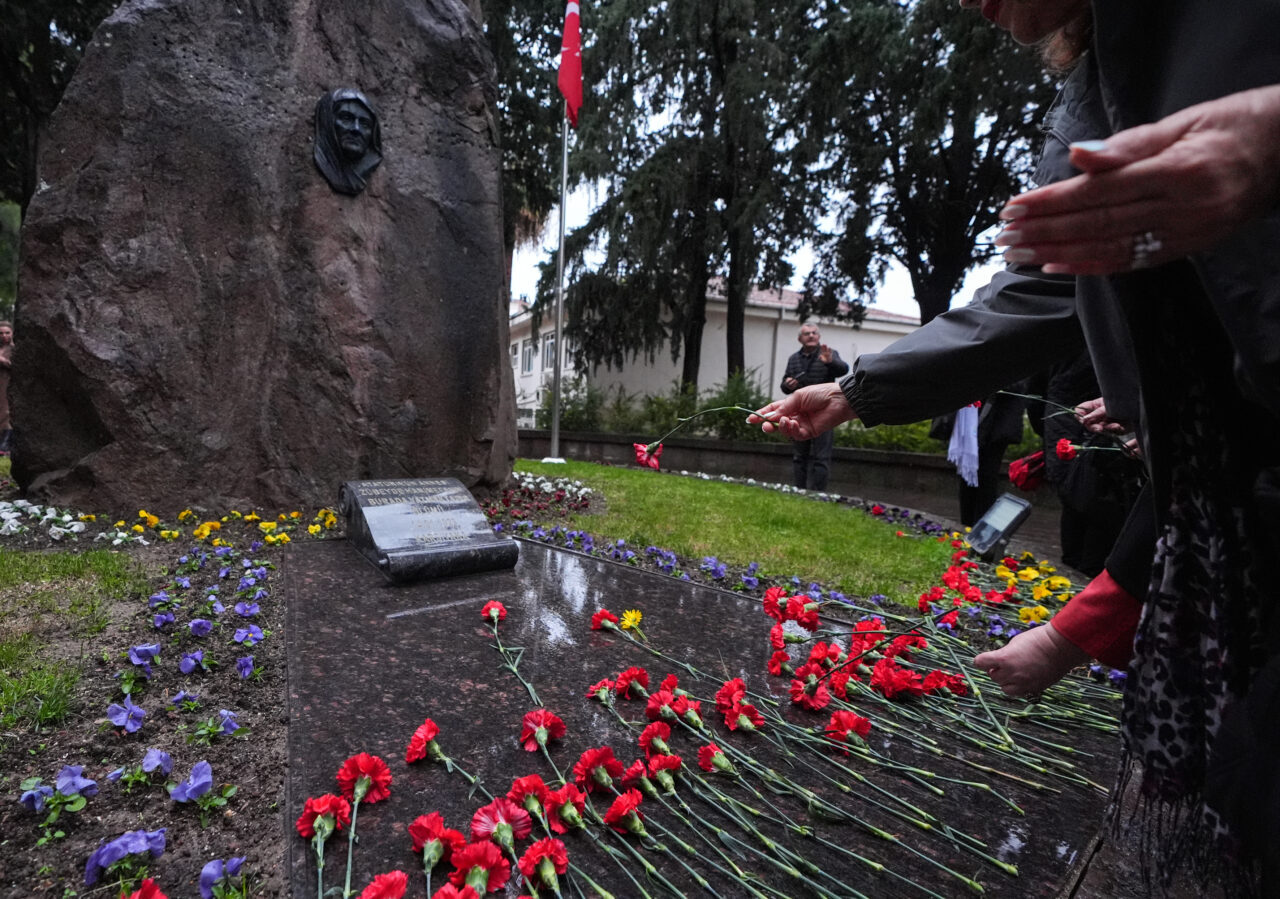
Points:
x=500, y=820
x=668, y=762
x=654, y=738
x=600, y=690
x=1066, y=450
x=838, y=684
x=365, y=778
x=843, y=723
x=730, y=694
x=877, y=509
x=712, y=758
x=540, y=726
x=635, y=773
x=648, y=455
x=320, y=806
x=777, y=637
x=428, y=829
x=670, y=682
x=480, y=866
x=596, y=768
x=772, y=596
x=387, y=886
x=147, y=890
x=776, y=661
x=942, y=680
x=527, y=790
x=743, y=715
x=603, y=618
x=449, y=891
x=549, y=851
x=892, y=680
x=808, y=689
x=825, y=653
x=423, y=742
x=624, y=815
x=799, y=611
x=633, y=675
x=665, y=704
x=564, y=808
x=494, y=611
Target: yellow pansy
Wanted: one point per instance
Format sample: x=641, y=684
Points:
x=1002, y=571
x=185, y=514
x=1029, y=614
x=266, y=526
x=1046, y=567
x=1027, y=556
x=1040, y=592
x=282, y=538
x=1059, y=583
x=1028, y=574
x=295, y=514
x=252, y=516
x=137, y=528
x=88, y=517
x=119, y=524
x=313, y=529
x=631, y=618
x=169, y=535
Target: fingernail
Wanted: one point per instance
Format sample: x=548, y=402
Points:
x=1009, y=237
x=1020, y=254
x=1090, y=146
x=1012, y=211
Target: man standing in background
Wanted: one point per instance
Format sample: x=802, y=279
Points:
x=813, y=363
x=6, y=363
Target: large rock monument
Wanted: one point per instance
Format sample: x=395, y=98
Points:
x=203, y=318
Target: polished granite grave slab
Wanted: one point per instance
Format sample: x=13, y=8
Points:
x=369, y=661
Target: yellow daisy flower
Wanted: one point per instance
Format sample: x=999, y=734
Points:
x=1028, y=574
x=631, y=618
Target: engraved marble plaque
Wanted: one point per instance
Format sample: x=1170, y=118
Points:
x=419, y=528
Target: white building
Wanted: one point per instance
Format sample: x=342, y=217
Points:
x=769, y=339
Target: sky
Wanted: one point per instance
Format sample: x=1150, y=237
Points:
x=894, y=296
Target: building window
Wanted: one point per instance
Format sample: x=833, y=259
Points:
x=526, y=357
x=515, y=355
x=549, y=351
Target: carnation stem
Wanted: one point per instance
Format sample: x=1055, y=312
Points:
x=318, y=842
x=551, y=762
x=351, y=844
x=601, y=892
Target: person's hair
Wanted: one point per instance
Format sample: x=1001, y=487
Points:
x=1063, y=49
x=8, y=325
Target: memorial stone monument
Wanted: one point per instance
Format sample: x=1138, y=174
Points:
x=205, y=318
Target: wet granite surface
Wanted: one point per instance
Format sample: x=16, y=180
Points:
x=368, y=661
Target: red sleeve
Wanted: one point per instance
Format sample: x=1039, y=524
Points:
x=1101, y=620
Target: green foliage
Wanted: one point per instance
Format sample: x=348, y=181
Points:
x=786, y=534
x=34, y=693
x=581, y=406
x=10, y=221
x=40, y=47
x=741, y=389
x=925, y=121
x=912, y=438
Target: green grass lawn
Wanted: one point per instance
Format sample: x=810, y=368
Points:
x=840, y=546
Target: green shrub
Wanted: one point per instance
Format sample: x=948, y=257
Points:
x=739, y=389
x=581, y=405
x=912, y=438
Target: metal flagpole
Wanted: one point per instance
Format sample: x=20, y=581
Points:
x=559, y=348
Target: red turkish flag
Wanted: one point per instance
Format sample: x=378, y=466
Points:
x=570, y=80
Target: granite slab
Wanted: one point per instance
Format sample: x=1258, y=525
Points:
x=368, y=661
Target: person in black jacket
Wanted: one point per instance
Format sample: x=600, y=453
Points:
x=813, y=363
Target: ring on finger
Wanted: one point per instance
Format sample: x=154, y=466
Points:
x=1142, y=246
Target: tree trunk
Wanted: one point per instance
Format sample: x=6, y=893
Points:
x=741, y=268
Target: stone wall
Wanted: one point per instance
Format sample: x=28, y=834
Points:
x=202, y=319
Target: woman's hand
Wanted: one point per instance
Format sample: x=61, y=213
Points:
x=1154, y=193
x=806, y=413
x=1034, y=660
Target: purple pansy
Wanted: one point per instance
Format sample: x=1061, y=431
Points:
x=183, y=582
x=144, y=653
x=244, y=667
x=249, y=636
x=216, y=871
x=159, y=599
x=161, y=619
x=228, y=722
x=246, y=583
x=200, y=627
x=216, y=606
x=183, y=696
x=34, y=799
x=260, y=593
x=196, y=785
x=128, y=716
x=70, y=783
x=135, y=842
x=247, y=609
x=157, y=758
x=191, y=661
x=115, y=775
